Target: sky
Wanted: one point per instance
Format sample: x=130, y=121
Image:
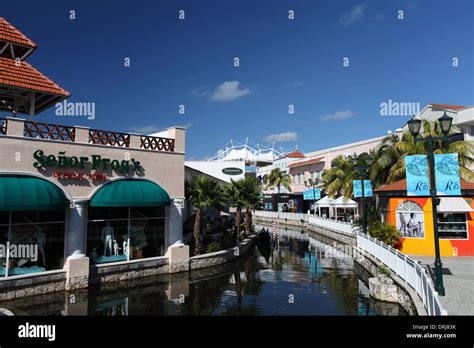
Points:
x=423, y=55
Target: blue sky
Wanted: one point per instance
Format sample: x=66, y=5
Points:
x=282, y=62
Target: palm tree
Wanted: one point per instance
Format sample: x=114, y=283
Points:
x=203, y=193
x=389, y=157
x=277, y=179
x=234, y=193
x=243, y=194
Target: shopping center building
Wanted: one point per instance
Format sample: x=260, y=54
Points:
x=73, y=191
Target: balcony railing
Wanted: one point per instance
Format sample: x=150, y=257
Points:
x=49, y=131
x=155, y=143
x=3, y=126
x=16, y=127
x=100, y=137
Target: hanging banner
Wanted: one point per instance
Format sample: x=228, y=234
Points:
x=310, y=194
x=448, y=182
x=416, y=170
x=357, y=188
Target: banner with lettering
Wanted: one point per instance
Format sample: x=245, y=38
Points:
x=310, y=194
x=357, y=188
x=448, y=182
x=416, y=170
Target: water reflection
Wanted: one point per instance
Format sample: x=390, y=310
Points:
x=294, y=277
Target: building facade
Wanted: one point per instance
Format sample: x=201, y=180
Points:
x=74, y=190
x=413, y=218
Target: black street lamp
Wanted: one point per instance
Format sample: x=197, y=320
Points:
x=312, y=184
x=414, y=125
x=364, y=170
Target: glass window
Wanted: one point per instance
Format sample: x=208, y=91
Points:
x=36, y=241
x=121, y=234
x=472, y=131
x=452, y=226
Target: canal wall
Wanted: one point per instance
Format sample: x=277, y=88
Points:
x=331, y=236
x=408, y=299
x=16, y=287
x=222, y=256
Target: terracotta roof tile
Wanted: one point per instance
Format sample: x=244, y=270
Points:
x=293, y=154
x=305, y=162
x=446, y=106
x=23, y=75
x=9, y=33
x=401, y=185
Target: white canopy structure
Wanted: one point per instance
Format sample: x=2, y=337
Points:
x=343, y=202
x=325, y=202
x=249, y=152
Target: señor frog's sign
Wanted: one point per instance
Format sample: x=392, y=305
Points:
x=96, y=162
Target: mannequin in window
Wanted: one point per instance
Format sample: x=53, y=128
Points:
x=116, y=248
x=125, y=245
x=40, y=238
x=107, y=238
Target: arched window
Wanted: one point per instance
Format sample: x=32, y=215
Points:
x=410, y=220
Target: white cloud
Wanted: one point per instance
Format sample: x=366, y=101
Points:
x=281, y=137
x=145, y=129
x=229, y=91
x=338, y=115
x=356, y=13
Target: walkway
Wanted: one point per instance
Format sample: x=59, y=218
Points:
x=459, y=286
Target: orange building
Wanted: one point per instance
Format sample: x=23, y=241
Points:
x=413, y=217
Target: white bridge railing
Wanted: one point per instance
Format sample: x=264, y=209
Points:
x=403, y=266
x=406, y=268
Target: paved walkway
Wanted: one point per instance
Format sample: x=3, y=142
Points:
x=459, y=286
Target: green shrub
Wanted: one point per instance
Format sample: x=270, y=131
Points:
x=386, y=233
x=384, y=270
x=213, y=247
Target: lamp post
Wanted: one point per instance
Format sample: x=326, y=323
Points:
x=364, y=169
x=313, y=184
x=414, y=125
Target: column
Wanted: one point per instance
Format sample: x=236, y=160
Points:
x=76, y=222
x=175, y=221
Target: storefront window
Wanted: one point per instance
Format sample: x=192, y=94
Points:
x=31, y=241
x=452, y=226
x=122, y=234
x=410, y=220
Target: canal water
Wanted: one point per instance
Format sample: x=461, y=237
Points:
x=298, y=276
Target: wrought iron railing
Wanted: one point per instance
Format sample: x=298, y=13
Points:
x=156, y=143
x=49, y=131
x=3, y=126
x=101, y=137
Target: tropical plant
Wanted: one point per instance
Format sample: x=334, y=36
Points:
x=243, y=194
x=277, y=179
x=337, y=181
x=389, y=157
x=386, y=233
x=203, y=193
x=213, y=247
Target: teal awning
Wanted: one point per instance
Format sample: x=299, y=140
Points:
x=130, y=193
x=30, y=193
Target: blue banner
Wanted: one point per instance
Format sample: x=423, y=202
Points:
x=357, y=188
x=309, y=194
x=448, y=182
x=416, y=170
